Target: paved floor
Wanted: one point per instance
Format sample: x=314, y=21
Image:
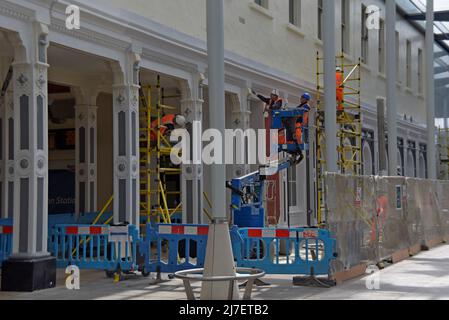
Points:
x=423, y=277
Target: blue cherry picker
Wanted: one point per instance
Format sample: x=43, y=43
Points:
x=248, y=191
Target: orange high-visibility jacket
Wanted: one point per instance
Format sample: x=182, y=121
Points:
x=301, y=123
x=166, y=122
x=340, y=93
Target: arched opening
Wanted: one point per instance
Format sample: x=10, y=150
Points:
x=410, y=166
x=367, y=160
x=422, y=166
x=400, y=170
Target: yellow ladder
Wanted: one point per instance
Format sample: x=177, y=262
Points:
x=155, y=164
x=350, y=120
x=320, y=140
x=349, y=130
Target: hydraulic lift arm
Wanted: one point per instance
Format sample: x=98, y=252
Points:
x=248, y=191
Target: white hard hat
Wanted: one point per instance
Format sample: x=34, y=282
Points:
x=180, y=120
x=338, y=69
x=275, y=92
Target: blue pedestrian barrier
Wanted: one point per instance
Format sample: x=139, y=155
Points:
x=97, y=247
x=71, y=218
x=6, y=235
x=299, y=251
x=169, y=248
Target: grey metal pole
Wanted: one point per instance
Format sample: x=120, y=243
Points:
x=215, y=50
x=219, y=259
x=430, y=92
x=330, y=98
x=390, y=29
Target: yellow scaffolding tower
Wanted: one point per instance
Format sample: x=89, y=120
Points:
x=155, y=164
x=349, y=126
x=350, y=120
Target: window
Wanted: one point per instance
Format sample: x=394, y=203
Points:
x=408, y=64
x=398, y=69
x=292, y=183
x=345, y=26
x=262, y=3
x=320, y=19
x=420, y=71
x=365, y=36
x=382, y=46
x=295, y=12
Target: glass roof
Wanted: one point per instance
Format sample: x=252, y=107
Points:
x=441, y=54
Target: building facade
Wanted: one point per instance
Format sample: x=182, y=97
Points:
x=90, y=77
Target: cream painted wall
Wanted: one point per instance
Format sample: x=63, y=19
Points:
x=266, y=37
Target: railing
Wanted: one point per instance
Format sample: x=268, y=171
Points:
x=174, y=247
x=300, y=251
x=100, y=247
x=6, y=228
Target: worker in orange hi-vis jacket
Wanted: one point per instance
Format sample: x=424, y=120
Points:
x=339, y=77
x=380, y=220
x=302, y=123
x=168, y=123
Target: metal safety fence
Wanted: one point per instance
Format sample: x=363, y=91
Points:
x=6, y=229
x=174, y=247
x=98, y=247
x=384, y=218
x=443, y=201
x=307, y=251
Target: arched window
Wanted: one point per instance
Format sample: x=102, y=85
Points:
x=399, y=164
x=410, y=166
x=367, y=160
x=422, y=166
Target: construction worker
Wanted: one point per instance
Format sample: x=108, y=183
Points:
x=274, y=102
x=302, y=123
x=299, y=128
x=168, y=124
x=339, y=77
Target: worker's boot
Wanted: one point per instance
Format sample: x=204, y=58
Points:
x=297, y=158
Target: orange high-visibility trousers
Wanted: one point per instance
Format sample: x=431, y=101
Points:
x=300, y=125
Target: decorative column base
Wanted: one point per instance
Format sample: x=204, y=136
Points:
x=219, y=262
x=27, y=275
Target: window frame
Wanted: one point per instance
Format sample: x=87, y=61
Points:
x=420, y=71
x=364, y=38
x=320, y=20
x=381, y=47
x=295, y=12
x=345, y=26
x=398, y=58
x=262, y=3
x=408, y=64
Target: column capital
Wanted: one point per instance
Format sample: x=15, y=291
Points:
x=125, y=97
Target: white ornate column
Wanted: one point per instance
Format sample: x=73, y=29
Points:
x=31, y=166
x=86, y=151
x=192, y=174
x=126, y=140
x=6, y=143
x=241, y=120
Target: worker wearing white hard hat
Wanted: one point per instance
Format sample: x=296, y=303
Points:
x=274, y=102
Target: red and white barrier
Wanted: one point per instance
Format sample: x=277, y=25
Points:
x=5, y=229
x=183, y=230
x=281, y=233
x=87, y=231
